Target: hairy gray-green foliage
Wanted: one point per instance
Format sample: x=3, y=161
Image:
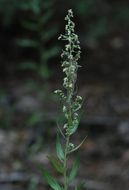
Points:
x=71, y=106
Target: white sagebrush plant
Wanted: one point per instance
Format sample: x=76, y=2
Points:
x=71, y=105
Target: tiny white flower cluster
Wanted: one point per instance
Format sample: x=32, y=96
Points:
x=70, y=56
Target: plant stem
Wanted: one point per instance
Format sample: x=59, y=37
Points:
x=69, y=101
x=65, y=164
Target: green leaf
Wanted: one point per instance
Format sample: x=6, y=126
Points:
x=74, y=170
x=56, y=164
x=80, y=187
x=50, y=180
x=59, y=149
x=46, y=17
x=30, y=25
x=51, y=52
x=28, y=65
x=73, y=129
x=49, y=34
x=44, y=71
x=35, y=6
x=77, y=147
x=34, y=119
x=27, y=43
x=60, y=130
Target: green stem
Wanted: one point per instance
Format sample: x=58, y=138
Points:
x=65, y=164
x=70, y=55
x=69, y=121
x=66, y=184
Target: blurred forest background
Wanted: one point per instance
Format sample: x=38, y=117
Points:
x=30, y=71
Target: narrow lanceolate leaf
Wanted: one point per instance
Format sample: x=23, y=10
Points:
x=59, y=149
x=46, y=17
x=74, y=170
x=80, y=187
x=61, y=132
x=50, y=180
x=28, y=65
x=77, y=147
x=28, y=43
x=49, y=34
x=51, y=52
x=30, y=25
x=56, y=163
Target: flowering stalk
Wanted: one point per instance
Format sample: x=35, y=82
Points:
x=71, y=105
